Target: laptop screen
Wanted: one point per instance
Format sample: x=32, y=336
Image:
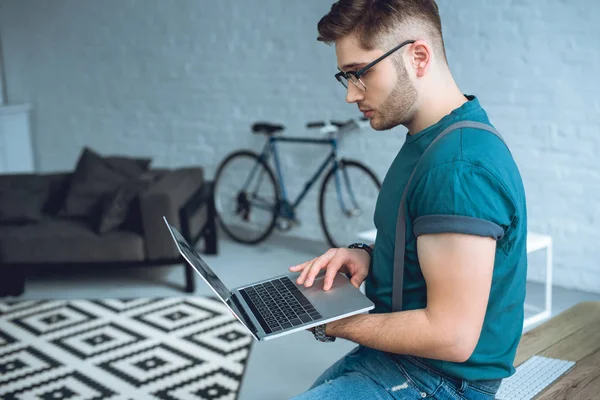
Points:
x=199, y=265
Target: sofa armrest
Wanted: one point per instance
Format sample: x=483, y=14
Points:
x=167, y=197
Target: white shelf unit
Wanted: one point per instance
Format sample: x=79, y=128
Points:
x=16, y=149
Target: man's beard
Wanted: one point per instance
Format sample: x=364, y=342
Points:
x=399, y=107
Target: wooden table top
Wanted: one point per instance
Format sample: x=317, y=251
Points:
x=573, y=335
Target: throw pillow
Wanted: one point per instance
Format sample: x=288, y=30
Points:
x=128, y=165
x=116, y=207
x=93, y=179
x=57, y=192
x=20, y=206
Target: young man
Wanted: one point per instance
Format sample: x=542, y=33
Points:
x=459, y=324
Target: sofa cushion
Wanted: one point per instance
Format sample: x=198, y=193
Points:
x=20, y=207
x=94, y=178
x=166, y=198
x=22, y=198
x=61, y=240
x=58, y=186
x=124, y=162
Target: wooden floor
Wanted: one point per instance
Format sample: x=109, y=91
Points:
x=574, y=335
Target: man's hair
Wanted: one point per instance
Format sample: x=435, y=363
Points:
x=379, y=23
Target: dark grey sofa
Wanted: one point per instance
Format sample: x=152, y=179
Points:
x=182, y=195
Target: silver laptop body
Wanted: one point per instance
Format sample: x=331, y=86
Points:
x=303, y=308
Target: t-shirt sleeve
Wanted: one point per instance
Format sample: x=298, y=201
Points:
x=461, y=197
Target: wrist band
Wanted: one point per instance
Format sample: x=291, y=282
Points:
x=363, y=246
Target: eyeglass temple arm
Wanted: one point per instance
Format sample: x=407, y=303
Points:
x=366, y=67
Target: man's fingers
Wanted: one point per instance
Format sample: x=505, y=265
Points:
x=304, y=272
x=313, y=270
x=332, y=269
x=299, y=267
x=357, y=280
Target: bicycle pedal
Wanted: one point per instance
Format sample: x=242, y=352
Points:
x=285, y=224
x=355, y=212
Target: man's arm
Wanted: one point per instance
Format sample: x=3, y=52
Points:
x=458, y=272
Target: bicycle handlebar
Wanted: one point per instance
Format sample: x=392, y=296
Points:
x=337, y=124
x=321, y=124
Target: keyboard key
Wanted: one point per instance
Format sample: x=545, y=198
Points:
x=296, y=321
x=305, y=317
x=315, y=315
x=286, y=325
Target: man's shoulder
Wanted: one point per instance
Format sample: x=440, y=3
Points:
x=468, y=145
x=467, y=155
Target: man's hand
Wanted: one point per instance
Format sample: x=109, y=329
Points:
x=353, y=261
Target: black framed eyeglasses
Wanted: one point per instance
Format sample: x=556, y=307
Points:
x=354, y=76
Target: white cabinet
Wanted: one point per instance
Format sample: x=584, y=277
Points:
x=16, y=148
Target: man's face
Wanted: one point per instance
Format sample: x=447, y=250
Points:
x=390, y=96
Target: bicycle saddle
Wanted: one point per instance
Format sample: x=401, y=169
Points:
x=266, y=128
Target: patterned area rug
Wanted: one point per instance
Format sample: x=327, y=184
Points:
x=188, y=348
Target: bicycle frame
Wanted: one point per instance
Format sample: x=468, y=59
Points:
x=286, y=209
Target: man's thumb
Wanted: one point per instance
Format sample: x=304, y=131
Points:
x=356, y=281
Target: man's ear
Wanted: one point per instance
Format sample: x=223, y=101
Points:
x=419, y=56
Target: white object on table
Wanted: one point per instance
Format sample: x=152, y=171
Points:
x=531, y=377
x=535, y=242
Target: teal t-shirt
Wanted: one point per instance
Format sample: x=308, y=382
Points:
x=468, y=182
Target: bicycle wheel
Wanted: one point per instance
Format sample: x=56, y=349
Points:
x=347, y=202
x=246, y=197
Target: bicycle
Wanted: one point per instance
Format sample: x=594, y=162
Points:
x=251, y=205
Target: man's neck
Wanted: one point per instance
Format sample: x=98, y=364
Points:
x=433, y=108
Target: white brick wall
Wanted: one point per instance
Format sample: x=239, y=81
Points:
x=182, y=81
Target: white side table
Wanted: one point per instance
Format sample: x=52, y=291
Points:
x=535, y=242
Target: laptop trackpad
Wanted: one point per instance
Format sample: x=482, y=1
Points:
x=342, y=298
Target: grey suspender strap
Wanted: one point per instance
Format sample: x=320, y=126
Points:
x=400, y=244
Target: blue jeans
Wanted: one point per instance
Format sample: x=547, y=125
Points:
x=365, y=373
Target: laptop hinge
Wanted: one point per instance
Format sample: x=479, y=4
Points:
x=244, y=316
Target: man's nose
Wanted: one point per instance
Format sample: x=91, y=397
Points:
x=354, y=94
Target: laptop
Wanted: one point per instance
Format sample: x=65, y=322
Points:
x=278, y=306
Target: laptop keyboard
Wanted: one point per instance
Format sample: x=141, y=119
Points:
x=279, y=304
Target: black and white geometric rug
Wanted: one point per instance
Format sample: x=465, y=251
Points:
x=185, y=348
